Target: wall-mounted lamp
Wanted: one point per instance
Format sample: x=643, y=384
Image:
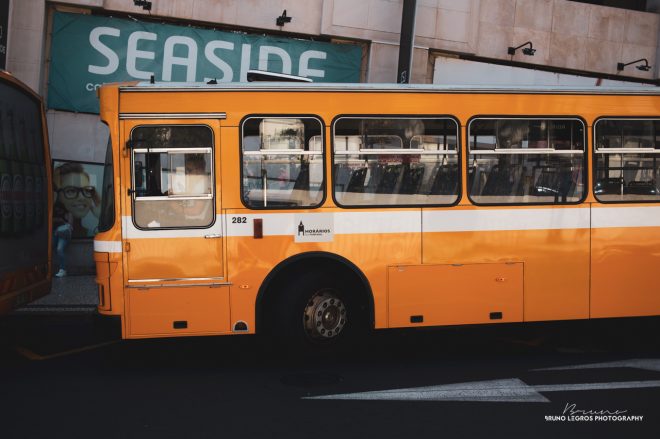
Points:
x=527, y=50
x=283, y=19
x=646, y=67
x=146, y=5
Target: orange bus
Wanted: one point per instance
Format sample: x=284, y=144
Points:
x=316, y=211
x=25, y=196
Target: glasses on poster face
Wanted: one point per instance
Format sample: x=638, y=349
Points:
x=71, y=192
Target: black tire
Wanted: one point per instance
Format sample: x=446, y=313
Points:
x=297, y=324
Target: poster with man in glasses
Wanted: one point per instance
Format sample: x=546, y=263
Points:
x=78, y=191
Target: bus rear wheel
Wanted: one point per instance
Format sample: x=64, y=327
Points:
x=315, y=312
x=324, y=316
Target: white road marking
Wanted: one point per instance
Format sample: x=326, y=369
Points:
x=640, y=363
x=505, y=390
x=511, y=390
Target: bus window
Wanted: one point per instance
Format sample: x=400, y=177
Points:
x=173, y=176
x=283, y=162
x=526, y=161
x=627, y=153
x=395, y=161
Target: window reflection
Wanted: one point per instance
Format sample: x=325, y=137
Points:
x=395, y=161
x=626, y=157
x=173, y=176
x=522, y=161
x=282, y=162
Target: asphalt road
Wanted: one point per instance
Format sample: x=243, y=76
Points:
x=67, y=376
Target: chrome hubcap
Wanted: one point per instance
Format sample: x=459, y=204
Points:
x=324, y=316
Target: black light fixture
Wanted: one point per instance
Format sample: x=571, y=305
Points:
x=146, y=5
x=527, y=50
x=646, y=67
x=283, y=19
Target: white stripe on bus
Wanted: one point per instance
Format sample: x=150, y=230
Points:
x=385, y=222
x=132, y=232
x=414, y=221
x=107, y=246
x=345, y=223
x=604, y=217
x=505, y=219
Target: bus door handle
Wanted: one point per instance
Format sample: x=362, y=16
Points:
x=213, y=236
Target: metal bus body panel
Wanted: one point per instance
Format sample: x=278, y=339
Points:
x=108, y=258
x=185, y=310
x=455, y=294
x=557, y=259
x=250, y=260
x=552, y=241
x=174, y=276
x=108, y=244
x=625, y=259
x=239, y=103
x=167, y=252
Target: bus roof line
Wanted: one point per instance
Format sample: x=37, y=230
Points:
x=410, y=88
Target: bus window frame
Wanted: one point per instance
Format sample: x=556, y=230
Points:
x=324, y=183
x=585, y=155
x=110, y=151
x=459, y=150
x=213, y=197
x=594, y=150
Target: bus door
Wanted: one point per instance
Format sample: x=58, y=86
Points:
x=172, y=230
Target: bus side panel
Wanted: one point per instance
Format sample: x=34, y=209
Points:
x=250, y=260
x=556, y=279
x=625, y=262
x=108, y=245
x=433, y=295
x=171, y=311
x=229, y=163
x=149, y=259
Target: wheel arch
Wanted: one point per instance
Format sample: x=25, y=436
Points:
x=287, y=269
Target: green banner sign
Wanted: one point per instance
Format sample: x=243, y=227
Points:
x=88, y=51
